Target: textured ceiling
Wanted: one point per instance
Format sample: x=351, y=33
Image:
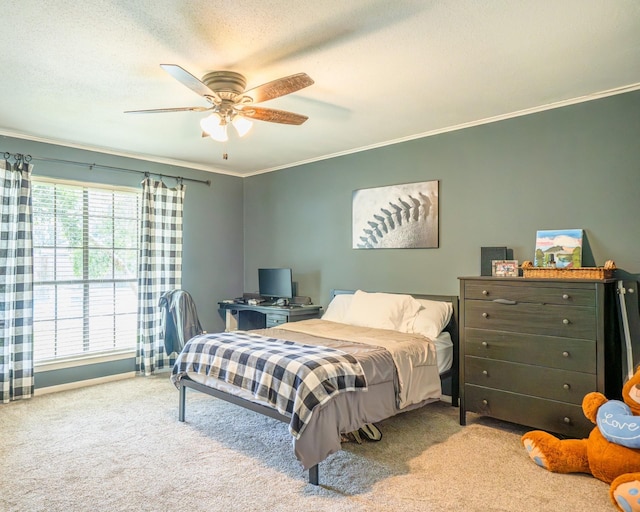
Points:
x=384, y=71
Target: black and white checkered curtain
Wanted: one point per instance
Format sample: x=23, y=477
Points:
x=16, y=281
x=160, y=267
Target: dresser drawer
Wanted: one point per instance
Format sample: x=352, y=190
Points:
x=520, y=292
x=550, y=415
x=274, y=319
x=526, y=379
x=551, y=320
x=554, y=352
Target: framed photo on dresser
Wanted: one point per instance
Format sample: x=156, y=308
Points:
x=504, y=268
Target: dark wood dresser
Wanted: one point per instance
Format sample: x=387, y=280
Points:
x=530, y=349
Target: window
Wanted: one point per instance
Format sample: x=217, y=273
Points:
x=85, y=244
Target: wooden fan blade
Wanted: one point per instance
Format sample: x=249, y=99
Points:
x=272, y=116
x=280, y=87
x=187, y=79
x=161, y=110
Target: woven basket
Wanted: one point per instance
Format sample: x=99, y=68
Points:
x=606, y=272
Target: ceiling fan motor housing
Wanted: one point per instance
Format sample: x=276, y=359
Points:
x=225, y=81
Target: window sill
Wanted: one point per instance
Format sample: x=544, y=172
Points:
x=83, y=360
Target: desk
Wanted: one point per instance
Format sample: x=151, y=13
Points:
x=246, y=317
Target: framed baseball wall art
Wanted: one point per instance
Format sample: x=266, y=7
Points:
x=396, y=217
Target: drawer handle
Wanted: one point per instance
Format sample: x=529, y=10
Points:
x=485, y=372
x=565, y=321
x=506, y=302
x=485, y=344
x=485, y=402
x=565, y=354
x=567, y=420
x=566, y=386
x=565, y=296
x=485, y=315
x=485, y=292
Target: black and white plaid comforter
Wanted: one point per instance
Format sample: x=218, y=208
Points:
x=292, y=377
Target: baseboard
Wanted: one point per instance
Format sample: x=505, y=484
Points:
x=83, y=383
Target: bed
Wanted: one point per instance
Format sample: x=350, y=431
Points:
x=379, y=354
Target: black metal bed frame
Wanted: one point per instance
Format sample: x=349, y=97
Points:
x=314, y=474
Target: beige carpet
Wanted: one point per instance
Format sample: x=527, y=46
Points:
x=120, y=447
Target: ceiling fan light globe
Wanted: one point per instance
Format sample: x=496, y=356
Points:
x=220, y=133
x=242, y=125
x=212, y=125
x=209, y=123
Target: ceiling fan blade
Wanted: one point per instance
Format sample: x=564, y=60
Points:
x=161, y=110
x=187, y=79
x=272, y=115
x=279, y=87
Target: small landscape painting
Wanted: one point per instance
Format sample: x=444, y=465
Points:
x=560, y=248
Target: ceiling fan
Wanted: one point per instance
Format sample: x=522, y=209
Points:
x=231, y=103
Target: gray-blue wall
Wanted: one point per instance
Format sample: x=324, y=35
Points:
x=572, y=167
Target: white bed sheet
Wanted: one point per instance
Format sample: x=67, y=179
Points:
x=444, y=351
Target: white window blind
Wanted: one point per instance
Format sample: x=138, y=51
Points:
x=85, y=240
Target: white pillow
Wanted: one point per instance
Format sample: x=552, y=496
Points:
x=382, y=311
x=337, y=308
x=432, y=318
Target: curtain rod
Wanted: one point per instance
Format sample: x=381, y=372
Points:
x=28, y=158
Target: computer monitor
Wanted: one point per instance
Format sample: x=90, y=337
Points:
x=275, y=283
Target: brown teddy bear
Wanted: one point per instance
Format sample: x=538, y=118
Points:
x=611, y=453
